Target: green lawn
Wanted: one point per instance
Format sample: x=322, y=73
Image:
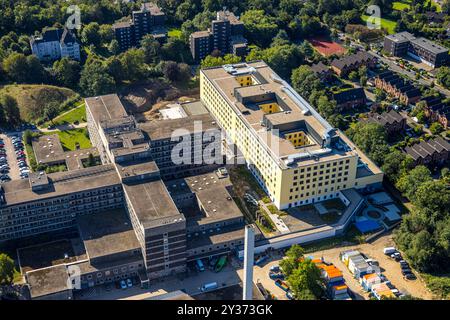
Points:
x=174, y=32
x=77, y=114
x=70, y=138
x=389, y=25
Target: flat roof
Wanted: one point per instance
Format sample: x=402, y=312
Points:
x=47, y=281
x=430, y=45
x=164, y=128
x=152, y=203
x=106, y=107
x=130, y=169
x=107, y=233
x=48, y=150
x=213, y=195
x=228, y=233
x=61, y=184
x=295, y=109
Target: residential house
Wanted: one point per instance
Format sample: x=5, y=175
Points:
x=54, y=44
x=432, y=152
x=343, y=66
x=351, y=98
x=322, y=71
x=392, y=121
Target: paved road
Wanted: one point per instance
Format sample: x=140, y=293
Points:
x=63, y=127
x=411, y=75
x=227, y=277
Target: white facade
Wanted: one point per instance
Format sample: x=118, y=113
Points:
x=54, y=45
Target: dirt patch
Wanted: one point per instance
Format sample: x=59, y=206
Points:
x=144, y=100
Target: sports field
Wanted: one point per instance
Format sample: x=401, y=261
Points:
x=326, y=47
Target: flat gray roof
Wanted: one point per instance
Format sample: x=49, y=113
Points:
x=62, y=184
x=107, y=233
x=213, y=195
x=151, y=202
x=429, y=45
x=105, y=107
x=164, y=128
x=47, y=281
x=130, y=169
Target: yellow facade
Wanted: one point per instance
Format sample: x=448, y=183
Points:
x=298, y=139
x=270, y=107
x=245, y=80
x=287, y=187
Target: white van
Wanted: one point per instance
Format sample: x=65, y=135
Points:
x=389, y=250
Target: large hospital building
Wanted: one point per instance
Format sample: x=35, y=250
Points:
x=295, y=155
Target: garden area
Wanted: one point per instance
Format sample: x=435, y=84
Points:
x=74, y=116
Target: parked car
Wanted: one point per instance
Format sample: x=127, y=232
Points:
x=410, y=276
x=123, y=285
x=129, y=283
x=406, y=271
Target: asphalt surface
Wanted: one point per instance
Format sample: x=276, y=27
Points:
x=411, y=75
x=14, y=171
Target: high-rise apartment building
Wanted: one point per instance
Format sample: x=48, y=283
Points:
x=148, y=20
x=224, y=36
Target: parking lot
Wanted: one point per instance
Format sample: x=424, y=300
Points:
x=13, y=163
x=191, y=285
x=389, y=267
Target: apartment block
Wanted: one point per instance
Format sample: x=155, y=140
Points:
x=224, y=36
x=296, y=156
x=148, y=20
x=404, y=43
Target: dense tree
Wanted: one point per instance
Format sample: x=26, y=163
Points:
x=6, y=269
x=51, y=110
x=16, y=67
x=371, y=138
x=95, y=79
x=395, y=164
x=303, y=276
x=152, y=49
x=67, y=72
x=291, y=261
x=114, y=47
x=306, y=281
x=304, y=80
x=90, y=35
x=443, y=77
x=176, y=50
x=260, y=28
x=436, y=128
x=11, y=109
x=133, y=65
x=283, y=59
x=409, y=183
x=176, y=72
x=106, y=33
x=211, y=61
